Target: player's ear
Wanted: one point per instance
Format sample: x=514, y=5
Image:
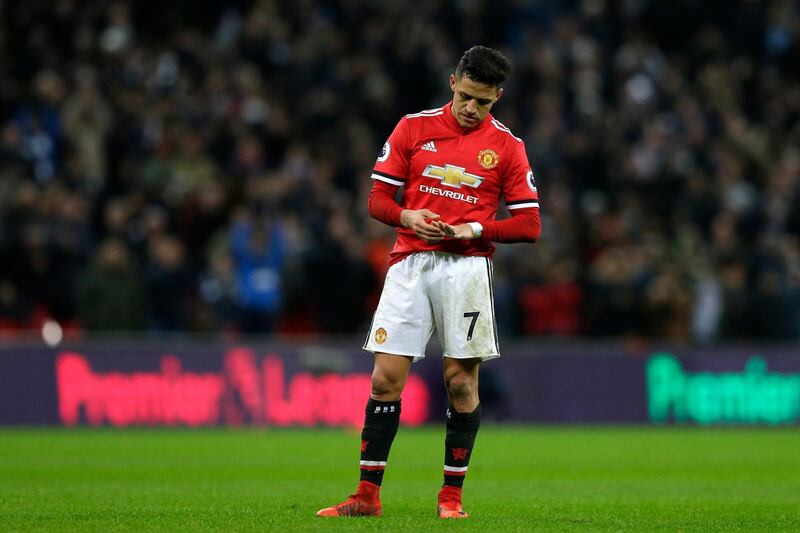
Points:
x=453, y=82
x=499, y=93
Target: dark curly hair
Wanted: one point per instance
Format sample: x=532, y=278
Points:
x=484, y=65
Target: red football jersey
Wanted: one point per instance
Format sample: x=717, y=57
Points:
x=458, y=174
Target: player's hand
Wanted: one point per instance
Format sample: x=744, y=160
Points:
x=461, y=231
x=421, y=221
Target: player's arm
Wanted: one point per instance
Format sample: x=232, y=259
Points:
x=522, y=200
x=524, y=225
x=389, y=174
x=383, y=207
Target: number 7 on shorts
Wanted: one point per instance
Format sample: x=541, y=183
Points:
x=474, y=316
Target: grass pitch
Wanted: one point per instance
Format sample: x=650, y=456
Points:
x=521, y=479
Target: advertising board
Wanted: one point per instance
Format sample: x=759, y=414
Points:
x=327, y=384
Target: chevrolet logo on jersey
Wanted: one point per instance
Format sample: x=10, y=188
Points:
x=453, y=176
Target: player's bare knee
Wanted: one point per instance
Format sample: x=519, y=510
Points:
x=460, y=388
x=386, y=387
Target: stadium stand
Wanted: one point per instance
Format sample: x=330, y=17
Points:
x=204, y=167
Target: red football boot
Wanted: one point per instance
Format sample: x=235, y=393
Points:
x=450, y=503
x=365, y=502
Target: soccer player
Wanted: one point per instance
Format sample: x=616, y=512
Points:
x=454, y=164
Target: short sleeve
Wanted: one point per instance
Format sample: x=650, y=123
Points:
x=393, y=160
x=519, y=184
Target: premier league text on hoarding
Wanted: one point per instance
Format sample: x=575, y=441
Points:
x=243, y=392
x=752, y=396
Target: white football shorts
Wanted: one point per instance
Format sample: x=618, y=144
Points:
x=436, y=291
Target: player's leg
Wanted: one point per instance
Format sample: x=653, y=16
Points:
x=389, y=376
x=464, y=308
x=463, y=422
x=402, y=325
x=461, y=383
x=381, y=421
x=382, y=416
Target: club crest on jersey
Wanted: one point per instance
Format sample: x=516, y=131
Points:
x=453, y=176
x=385, y=151
x=488, y=158
x=380, y=335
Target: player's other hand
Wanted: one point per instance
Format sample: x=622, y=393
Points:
x=421, y=222
x=461, y=231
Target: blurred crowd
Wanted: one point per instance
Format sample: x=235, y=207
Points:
x=185, y=166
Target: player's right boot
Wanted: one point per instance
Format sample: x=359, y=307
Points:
x=365, y=502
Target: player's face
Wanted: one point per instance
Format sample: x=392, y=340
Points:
x=472, y=101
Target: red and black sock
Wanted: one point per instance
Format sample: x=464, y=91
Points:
x=380, y=426
x=461, y=431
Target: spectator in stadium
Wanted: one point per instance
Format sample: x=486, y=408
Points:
x=87, y=123
x=112, y=294
x=352, y=279
x=217, y=292
x=258, y=246
x=169, y=284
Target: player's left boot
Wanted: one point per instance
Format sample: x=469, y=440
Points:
x=450, y=503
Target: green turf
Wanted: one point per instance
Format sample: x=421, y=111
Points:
x=521, y=479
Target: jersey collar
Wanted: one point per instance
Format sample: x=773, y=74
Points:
x=453, y=123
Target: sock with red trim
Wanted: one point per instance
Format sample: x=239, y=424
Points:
x=380, y=426
x=462, y=428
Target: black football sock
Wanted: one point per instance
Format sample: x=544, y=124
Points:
x=461, y=431
x=380, y=426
